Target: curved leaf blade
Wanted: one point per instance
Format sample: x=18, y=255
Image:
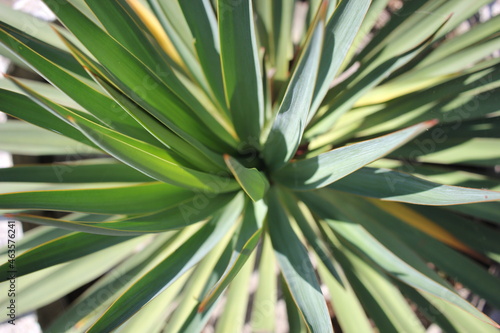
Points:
x=406, y=273
x=203, y=25
x=180, y=109
x=18, y=137
x=328, y=167
x=207, y=160
x=153, y=161
x=46, y=286
x=22, y=107
x=160, y=164
x=456, y=265
x=81, y=90
x=134, y=199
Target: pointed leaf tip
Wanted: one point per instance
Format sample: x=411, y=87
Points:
x=324, y=9
x=252, y=181
x=431, y=123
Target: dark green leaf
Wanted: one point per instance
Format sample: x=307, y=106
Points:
x=241, y=69
x=74, y=173
x=293, y=113
x=297, y=268
x=201, y=18
x=135, y=199
x=58, y=251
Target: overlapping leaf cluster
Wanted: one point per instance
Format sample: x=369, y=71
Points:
x=233, y=139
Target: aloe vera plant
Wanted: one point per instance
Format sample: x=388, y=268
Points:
x=228, y=139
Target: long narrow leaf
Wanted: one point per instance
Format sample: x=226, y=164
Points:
x=241, y=69
x=248, y=239
x=18, y=137
x=133, y=75
x=291, y=120
x=116, y=18
x=203, y=24
x=264, y=303
x=340, y=99
x=154, y=162
x=179, y=216
x=339, y=34
x=64, y=278
x=207, y=160
x=120, y=200
x=398, y=186
x=234, y=317
x=326, y=168
x=165, y=273
x=128, y=150
x=79, y=89
x=58, y=251
x=378, y=244
x=297, y=269
x=22, y=107
x=458, y=266
x=73, y=173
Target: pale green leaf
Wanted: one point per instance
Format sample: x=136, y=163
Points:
x=264, y=303
x=456, y=265
x=21, y=138
x=398, y=186
x=248, y=238
x=328, y=167
x=339, y=34
x=202, y=22
x=46, y=286
x=297, y=269
x=177, y=216
x=233, y=318
x=166, y=272
x=378, y=243
x=293, y=113
x=73, y=173
x=348, y=306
